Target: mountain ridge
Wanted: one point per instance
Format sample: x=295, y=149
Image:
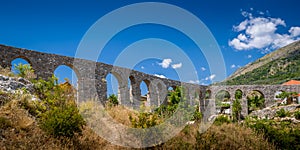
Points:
x=272, y=65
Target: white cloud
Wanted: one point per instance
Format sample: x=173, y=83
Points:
x=176, y=66
x=261, y=33
x=160, y=76
x=295, y=31
x=194, y=82
x=203, y=69
x=211, y=77
x=166, y=63
x=143, y=67
x=249, y=56
x=233, y=66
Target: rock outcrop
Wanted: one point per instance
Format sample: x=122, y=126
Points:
x=270, y=113
x=12, y=84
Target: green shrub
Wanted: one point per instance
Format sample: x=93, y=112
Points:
x=178, y=106
x=297, y=115
x=48, y=91
x=197, y=116
x=221, y=120
x=59, y=114
x=236, y=110
x=282, y=113
x=255, y=102
x=25, y=71
x=284, y=135
x=225, y=105
x=62, y=121
x=113, y=100
x=144, y=120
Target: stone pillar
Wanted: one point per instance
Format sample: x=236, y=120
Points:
x=152, y=97
x=136, y=95
x=202, y=100
x=244, y=104
x=123, y=94
x=87, y=90
x=232, y=99
x=158, y=92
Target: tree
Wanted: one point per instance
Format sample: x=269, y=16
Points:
x=236, y=109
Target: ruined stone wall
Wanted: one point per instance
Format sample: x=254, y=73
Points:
x=91, y=76
x=268, y=91
x=92, y=85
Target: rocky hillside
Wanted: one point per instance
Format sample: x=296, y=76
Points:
x=274, y=68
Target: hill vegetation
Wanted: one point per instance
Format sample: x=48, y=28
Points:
x=274, y=68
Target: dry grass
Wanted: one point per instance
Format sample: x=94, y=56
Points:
x=121, y=114
x=23, y=132
x=6, y=72
x=232, y=136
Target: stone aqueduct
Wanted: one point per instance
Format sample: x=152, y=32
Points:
x=91, y=80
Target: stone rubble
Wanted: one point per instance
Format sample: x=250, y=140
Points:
x=270, y=113
x=12, y=84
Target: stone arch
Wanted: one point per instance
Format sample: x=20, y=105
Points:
x=223, y=95
x=69, y=65
x=145, y=97
x=208, y=94
x=131, y=83
x=255, y=100
x=110, y=78
x=238, y=94
x=74, y=70
x=67, y=84
x=22, y=59
x=171, y=88
x=222, y=100
x=158, y=93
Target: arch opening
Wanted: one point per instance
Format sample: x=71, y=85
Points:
x=255, y=100
x=145, y=92
x=22, y=67
x=112, y=86
x=131, y=82
x=223, y=103
x=208, y=94
x=66, y=74
x=238, y=94
x=67, y=80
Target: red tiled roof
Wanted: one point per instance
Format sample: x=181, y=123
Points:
x=292, y=82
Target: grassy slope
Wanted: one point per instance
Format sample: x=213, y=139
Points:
x=274, y=68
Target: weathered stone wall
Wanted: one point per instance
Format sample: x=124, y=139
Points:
x=268, y=91
x=92, y=85
x=91, y=76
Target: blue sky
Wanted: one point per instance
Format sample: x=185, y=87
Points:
x=244, y=30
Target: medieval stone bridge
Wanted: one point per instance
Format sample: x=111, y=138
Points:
x=92, y=84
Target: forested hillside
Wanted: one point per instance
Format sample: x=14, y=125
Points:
x=275, y=68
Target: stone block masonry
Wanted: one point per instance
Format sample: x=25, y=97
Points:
x=92, y=85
